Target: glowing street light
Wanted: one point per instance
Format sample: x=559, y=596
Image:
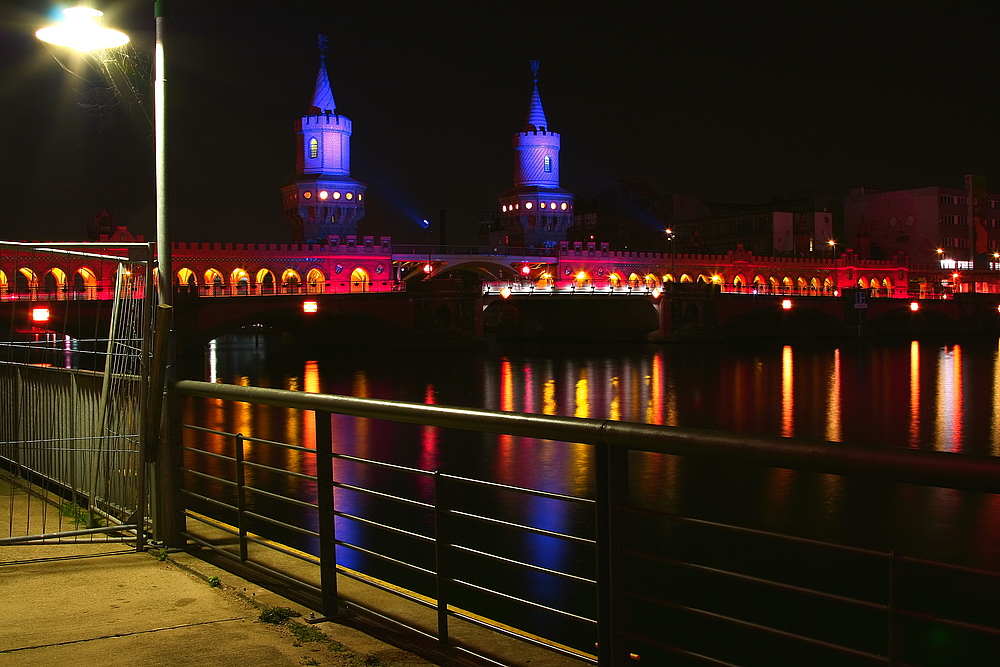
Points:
x=80, y=31
x=833, y=248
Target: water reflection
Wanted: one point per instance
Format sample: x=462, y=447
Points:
x=905, y=394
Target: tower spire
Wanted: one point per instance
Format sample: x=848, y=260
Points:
x=536, y=116
x=323, y=95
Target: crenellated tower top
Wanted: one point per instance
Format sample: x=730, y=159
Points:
x=324, y=200
x=536, y=211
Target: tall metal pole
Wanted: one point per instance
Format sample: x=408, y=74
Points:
x=159, y=131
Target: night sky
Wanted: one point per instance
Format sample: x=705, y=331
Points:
x=724, y=103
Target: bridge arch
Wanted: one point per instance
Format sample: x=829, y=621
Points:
x=25, y=280
x=685, y=278
x=264, y=281
x=581, y=279
x=634, y=281
x=652, y=280
x=315, y=281
x=291, y=281
x=669, y=278
x=55, y=281
x=739, y=281
x=214, y=280
x=615, y=280
x=239, y=281
x=85, y=282
x=360, y=280
x=187, y=278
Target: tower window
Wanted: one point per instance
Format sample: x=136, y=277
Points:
x=314, y=149
x=548, y=164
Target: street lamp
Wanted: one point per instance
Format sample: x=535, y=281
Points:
x=833, y=249
x=80, y=31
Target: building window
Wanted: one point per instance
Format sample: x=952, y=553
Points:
x=548, y=164
x=313, y=148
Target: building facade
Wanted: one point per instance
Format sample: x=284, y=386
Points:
x=958, y=227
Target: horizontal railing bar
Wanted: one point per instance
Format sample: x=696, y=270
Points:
x=247, y=438
x=833, y=546
x=522, y=601
x=70, y=533
x=383, y=557
x=279, y=471
x=513, y=634
x=520, y=526
x=213, y=501
x=211, y=478
x=955, y=623
x=678, y=650
x=767, y=583
x=765, y=629
x=382, y=464
x=365, y=609
x=947, y=566
x=523, y=565
x=275, y=496
x=382, y=526
x=912, y=466
x=282, y=524
x=205, y=452
x=518, y=489
x=384, y=496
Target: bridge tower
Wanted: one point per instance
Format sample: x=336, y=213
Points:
x=323, y=200
x=536, y=212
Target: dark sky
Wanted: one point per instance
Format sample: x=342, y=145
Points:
x=722, y=102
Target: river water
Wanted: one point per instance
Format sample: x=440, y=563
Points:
x=928, y=394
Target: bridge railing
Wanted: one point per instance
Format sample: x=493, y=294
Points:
x=639, y=578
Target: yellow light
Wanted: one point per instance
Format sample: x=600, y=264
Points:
x=505, y=292
x=309, y=306
x=831, y=242
x=323, y=194
x=79, y=30
x=581, y=276
x=336, y=195
x=914, y=306
x=786, y=304
x=656, y=292
x=940, y=251
x=716, y=279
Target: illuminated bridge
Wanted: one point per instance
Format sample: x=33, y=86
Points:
x=446, y=295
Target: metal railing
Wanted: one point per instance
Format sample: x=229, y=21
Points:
x=658, y=587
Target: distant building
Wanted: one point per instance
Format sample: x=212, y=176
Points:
x=106, y=229
x=536, y=212
x=631, y=216
x=963, y=223
x=324, y=200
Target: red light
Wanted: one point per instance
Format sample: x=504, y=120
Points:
x=525, y=269
x=428, y=268
x=39, y=314
x=914, y=306
x=786, y=304
x=309, y=306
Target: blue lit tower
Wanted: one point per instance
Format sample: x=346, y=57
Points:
x=536, y=211
x=324, y=199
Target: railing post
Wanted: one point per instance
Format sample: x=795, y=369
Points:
x=611, y=482
x=327, y=518
x=241, y=498
x=441, y=507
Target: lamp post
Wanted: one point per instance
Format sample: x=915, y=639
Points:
x=80, y=30
x=833, y=249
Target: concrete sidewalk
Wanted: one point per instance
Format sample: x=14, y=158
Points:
x=101, y=603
